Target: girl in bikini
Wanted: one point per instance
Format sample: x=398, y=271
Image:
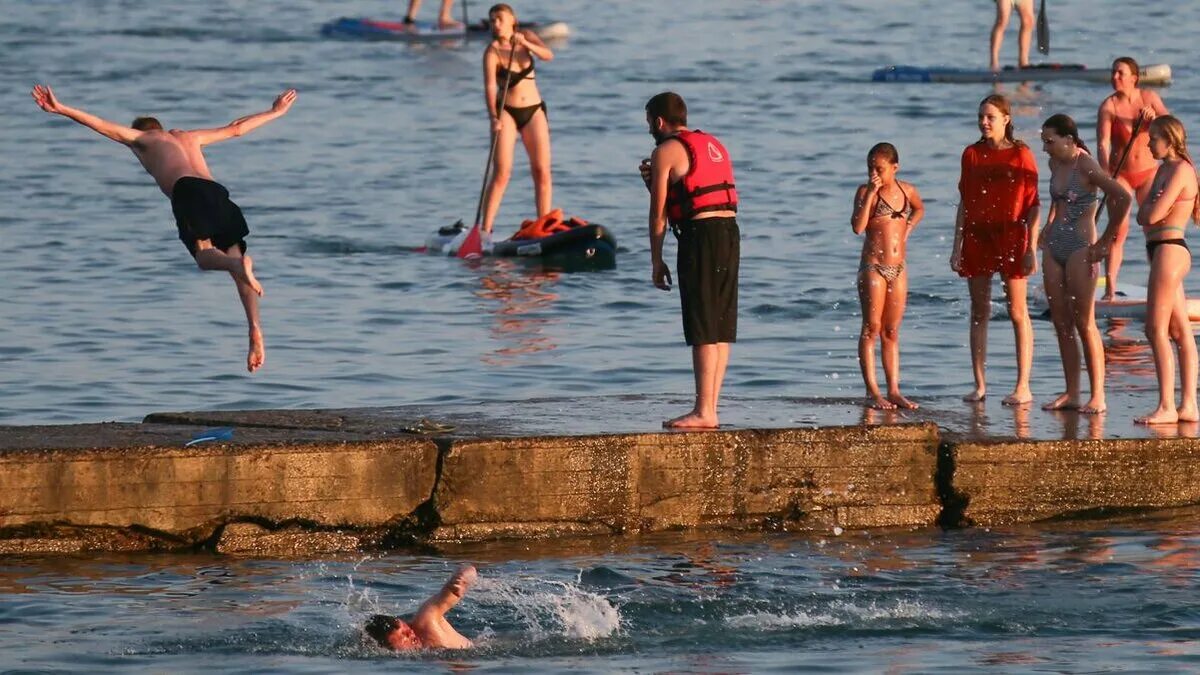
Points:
x=995, y=231
x=886, y=209
x=1068, y=275
x=1163, y=217
x=1115, y=123
x=509, y=62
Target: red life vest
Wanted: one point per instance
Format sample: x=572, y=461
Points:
x=708, y=185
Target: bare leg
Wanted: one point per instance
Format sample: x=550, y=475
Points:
x=1112, y=266
x=893, y=314
x=1016, y=293
x=872, y=290
x=210, y=258
x=501, y=170
x=1081, y=285
x=413, y=6
x=1003, y=10
x=1181, y=334
x=981, y=313
x=1055, y=282
x=536, y=137
x=256, y=356
x=1025, y=10
x=445, y=20
x=1167, y=269
x=706, y=361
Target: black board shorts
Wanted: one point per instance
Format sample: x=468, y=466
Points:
x=203, y=210
x=707, y=273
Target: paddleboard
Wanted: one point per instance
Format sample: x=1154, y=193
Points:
x=1130, y=302
x=1155, y=75
x=374, y=29
x=587, y=246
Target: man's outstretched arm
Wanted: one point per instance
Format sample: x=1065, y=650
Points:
x=244, y=125
x=46, y=100
x=454, y=590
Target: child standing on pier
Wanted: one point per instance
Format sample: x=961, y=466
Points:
x=887, y=210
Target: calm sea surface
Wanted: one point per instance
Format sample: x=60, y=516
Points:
x=103, y=317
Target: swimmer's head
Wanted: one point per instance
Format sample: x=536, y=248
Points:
x=391, y=632
x=665, y=109
x=147, y=124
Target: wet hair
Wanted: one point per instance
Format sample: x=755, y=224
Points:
x=1000, y=102
x=669, y=106
x=146, y=124
x=884, y=150
x=1063, y=125
x=380, y=626
x=502, y=7
x=1133, y=67
x=1170, y=128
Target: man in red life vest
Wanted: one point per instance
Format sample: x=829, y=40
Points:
x=690, y=178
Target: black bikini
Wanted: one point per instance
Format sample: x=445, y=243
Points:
x=520, y=115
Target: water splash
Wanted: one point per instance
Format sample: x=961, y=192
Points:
x=548, y=608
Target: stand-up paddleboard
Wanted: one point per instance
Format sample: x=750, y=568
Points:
x=591, y=246
x=1130, y=302
x=421, y=31
x=1155, y=75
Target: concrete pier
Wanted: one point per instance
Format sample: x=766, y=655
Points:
x=302, y=482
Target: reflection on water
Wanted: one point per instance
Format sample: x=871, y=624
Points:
x=520, y=300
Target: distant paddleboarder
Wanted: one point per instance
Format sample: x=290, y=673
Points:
x=444, y=22
x=428, y=627
x=690, y=178
x=210, y=225
x=1004, y=10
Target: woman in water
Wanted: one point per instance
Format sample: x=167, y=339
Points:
x=886, y=209
x=1163, y=217
x=1068, y=274
x=508, y=73
x=995, y=231
x=1115, y=123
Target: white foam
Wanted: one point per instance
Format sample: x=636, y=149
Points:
x=552, y=608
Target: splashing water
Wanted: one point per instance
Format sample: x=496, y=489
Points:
x=546, y=608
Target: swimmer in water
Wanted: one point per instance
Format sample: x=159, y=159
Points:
x=428, y=627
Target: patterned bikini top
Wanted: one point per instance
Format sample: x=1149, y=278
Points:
x=883, y=208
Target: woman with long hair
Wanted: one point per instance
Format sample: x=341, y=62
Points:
x=995, y=231
x=1068, y=275
x=1115, y=137
x=508, y=74
x=1164, y=217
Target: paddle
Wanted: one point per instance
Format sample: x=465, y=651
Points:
x=472, y=246
x=1116, y=170
x=1043, y=30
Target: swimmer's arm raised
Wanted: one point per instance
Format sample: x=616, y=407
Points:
x=46, y=100
x=454, y=590
x=244, y=125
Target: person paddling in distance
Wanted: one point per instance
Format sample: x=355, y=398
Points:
x=996, y=231
x=1164, y=217
x=444, y=21
x=690, y=178
x=1004, y=10
x=887, y=210
x=210, y=225
x=510, y=57
x=1068, y=275
x=1115, y=125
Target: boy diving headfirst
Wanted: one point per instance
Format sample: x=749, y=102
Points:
x=428, y=628
x=210, y=225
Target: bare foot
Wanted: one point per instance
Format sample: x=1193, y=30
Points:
x=257, y=355
x=1109, y=296
x=1159, y=416
x=975, y=396
x=901, y=402
x=1187, y=413
x=878, y=402
x=1018, y=397
x=1094, y=407
x=1065, y=401
x=247, y=275
x=692, y=420
x=450, y=24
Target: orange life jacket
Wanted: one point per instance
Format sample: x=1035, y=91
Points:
x=708, y=185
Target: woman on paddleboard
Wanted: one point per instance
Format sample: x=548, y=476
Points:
x=887, y=210
x=516, y=109
x=1068, y=274
x=1164, y=217
x=995, y=231
x=1115, y=136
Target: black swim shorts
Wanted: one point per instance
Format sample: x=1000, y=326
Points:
x=707, y=274
x=203, y=210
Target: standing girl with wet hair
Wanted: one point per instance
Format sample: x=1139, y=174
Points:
x=508, y=71
x=1115, y=124
x=1164, y=217
x=995, y=231
x=1068, y=274
x=887, y=210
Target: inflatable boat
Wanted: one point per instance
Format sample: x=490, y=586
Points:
x=551, y=240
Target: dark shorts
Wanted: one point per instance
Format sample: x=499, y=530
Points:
x=707, y=274
x=203, y=211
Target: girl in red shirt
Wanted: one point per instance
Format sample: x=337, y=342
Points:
x=995, y=231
